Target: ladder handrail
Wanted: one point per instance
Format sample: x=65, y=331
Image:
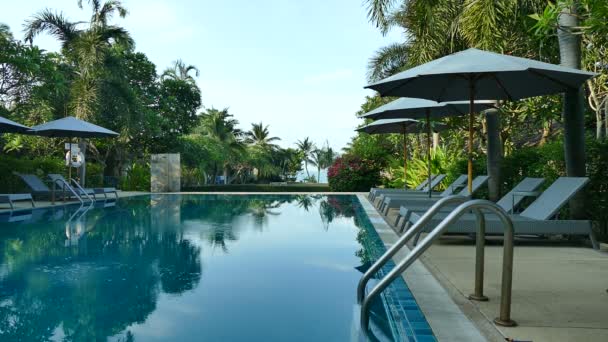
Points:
x=66, y=185
x=403, y=240
x=81, y=189
x=507, y=271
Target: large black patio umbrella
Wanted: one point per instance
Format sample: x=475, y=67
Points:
x=9, y=126
x=480, y=75
x=404, y=127
x=71, y=127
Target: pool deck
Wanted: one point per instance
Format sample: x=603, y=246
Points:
x=560, y=289
x=24, y=205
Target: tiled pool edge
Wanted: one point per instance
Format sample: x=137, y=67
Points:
x=446, y=319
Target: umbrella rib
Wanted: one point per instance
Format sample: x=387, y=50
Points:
x=551, y=79
x=502, y=87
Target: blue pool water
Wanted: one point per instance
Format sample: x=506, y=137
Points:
x=195, y=268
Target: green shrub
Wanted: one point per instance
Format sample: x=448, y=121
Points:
x=10, y=183
x=350, y=173
x=192, y=177
x=137, y=178
x=41, y=167
x=417, y=169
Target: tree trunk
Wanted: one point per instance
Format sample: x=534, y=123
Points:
x=494, y=147
x=547, y=130
x=572, y=114
x=435, y=141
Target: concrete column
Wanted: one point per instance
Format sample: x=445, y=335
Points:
x=494, y=159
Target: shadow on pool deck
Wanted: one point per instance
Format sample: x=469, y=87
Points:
x=560, y=288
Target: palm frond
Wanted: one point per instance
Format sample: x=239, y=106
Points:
x=53, y=23
x=387, y=61
x=378, y=12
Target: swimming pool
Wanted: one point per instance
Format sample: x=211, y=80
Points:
x=196, y=267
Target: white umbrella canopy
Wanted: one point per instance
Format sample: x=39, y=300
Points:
x=480, y=75
x=404, y=127
x=9, y=126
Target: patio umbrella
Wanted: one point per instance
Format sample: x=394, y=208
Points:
x=480, y=75
x=414, y=108
x=9, y=126
x=71, y=127
x=404, y=127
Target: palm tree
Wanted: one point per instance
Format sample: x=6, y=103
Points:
x=180, y=71
x=317, y=158
x=573, y=104
x=220, y=126
x=259, y=136
x=86, y=48
x=306, y=147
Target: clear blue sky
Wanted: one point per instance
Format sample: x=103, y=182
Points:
x=296, y=65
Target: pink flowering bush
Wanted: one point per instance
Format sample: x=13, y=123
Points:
x=349, y=173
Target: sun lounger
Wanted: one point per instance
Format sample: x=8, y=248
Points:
x=508, y=202
x=40, y=189
x=536, y=219
x=374, y=192
x=457, y=184
x=10, y=198
x=396, y=201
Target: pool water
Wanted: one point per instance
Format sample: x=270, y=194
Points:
x=195, y=268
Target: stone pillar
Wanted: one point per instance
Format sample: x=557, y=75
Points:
x=165, y=173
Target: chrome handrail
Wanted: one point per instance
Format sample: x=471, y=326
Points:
x=403, y=240
x=507, y=271
x=66, y=185
x=81, y=189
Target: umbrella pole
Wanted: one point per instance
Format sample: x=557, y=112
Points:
x=404, y=159
x=471, y=108
x=428, y=144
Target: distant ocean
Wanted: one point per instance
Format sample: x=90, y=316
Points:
x=313, y=171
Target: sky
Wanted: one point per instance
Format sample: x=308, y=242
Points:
x=297, y=66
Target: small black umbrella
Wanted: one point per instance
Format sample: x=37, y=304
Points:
x=71, y=127
x=9, y=126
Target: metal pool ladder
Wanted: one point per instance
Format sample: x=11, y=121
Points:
x=464, y=205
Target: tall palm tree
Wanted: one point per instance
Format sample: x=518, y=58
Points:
x=317, y=158
x=181, y=71
x=306, y=146
x=573, y=104
x=259, y=136
x=85, y=45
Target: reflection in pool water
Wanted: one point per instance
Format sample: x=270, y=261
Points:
x=183, y=267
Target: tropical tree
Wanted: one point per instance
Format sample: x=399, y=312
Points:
x=180, y=71
x=259, y=136
x=85, y=47
x=306, y=146
x=220, y=127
